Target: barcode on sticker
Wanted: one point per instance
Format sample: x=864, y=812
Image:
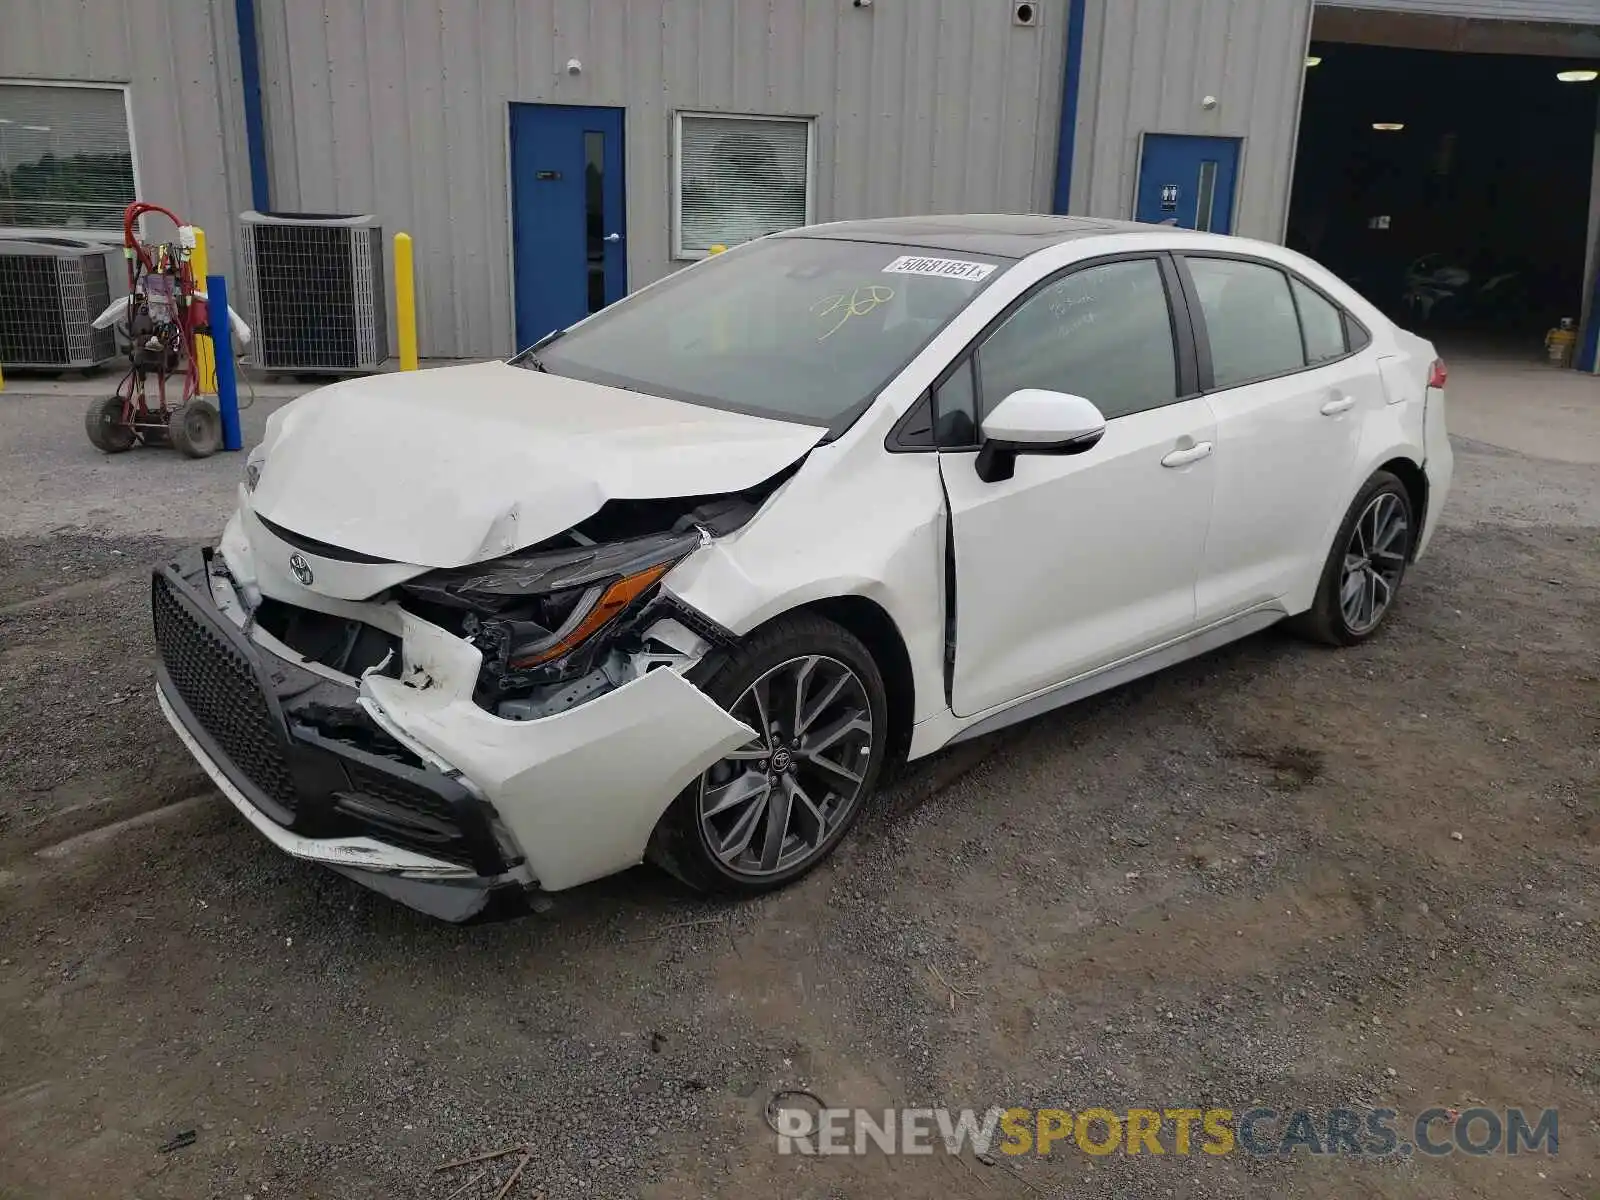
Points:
x=945, y=268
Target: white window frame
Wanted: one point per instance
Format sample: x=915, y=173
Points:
x=679, y=253
x=65, y=231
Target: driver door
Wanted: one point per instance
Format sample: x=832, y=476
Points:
x=1078, y=561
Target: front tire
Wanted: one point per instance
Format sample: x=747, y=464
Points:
x=773, y=809
x=1362, y=577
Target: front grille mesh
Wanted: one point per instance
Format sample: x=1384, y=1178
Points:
x=221, y=690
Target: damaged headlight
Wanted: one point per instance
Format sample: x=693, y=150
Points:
x=534, y=608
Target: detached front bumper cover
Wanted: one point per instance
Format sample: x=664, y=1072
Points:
x=417, y=791
x=264, y=730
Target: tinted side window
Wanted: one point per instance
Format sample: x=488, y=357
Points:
x=1357, y=337
x=1321, y=322
x=1250, y=320
x=957, y=423
x=1104, y=333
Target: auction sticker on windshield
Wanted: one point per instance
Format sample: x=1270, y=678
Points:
x=945, y=268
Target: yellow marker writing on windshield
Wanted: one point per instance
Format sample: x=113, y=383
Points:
x=851, y=304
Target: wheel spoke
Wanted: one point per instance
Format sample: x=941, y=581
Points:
x=802, y=677
x=821, y=706
x=1350, y=594
x=738, y=839
x=837, y=774
x=779, y=804
x=758, y=697
x=1378, y=581
x=738, y=790
x=806, y=811
x=853, y=721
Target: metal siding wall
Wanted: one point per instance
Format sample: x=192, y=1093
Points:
x=399, y=107
x=1581, y=12
x=1147, y=66
x=182, y=68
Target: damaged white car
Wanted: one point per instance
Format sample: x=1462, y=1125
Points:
x=684, y=581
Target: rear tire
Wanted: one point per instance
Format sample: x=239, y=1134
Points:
x=106, y=428
x=1362, y=576
x=196, y=428
x=773, y=810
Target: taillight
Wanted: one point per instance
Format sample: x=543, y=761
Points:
x=1438, y=374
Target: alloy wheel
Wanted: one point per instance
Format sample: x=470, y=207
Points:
x=774, y=804
x=1374, y=560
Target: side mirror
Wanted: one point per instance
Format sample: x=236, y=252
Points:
x=1035, y=421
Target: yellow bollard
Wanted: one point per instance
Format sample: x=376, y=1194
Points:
x=2, y=379
x=205, y=353
x=719, y=248
x=405, y=301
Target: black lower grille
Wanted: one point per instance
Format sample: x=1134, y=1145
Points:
x=221, y=690
x=404, y=814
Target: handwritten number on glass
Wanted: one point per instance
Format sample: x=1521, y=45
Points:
x=845, y=305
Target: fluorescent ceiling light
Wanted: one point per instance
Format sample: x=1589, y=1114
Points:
x=37, y=128
x=1388, y=126
x=1584, y=76
x=1313, y=59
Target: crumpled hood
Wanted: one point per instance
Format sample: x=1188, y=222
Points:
x=460, y=464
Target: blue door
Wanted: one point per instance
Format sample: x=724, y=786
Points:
x=569, y=246
x=1189, y=180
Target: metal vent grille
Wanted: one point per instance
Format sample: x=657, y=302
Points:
x=313, y=286
x=50, y=289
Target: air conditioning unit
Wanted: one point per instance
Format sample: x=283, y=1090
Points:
x=313, y=289
x=50, y=289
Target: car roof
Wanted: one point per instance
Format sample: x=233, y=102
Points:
x=1004, y=235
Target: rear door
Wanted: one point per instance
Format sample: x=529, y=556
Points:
x=1078, y=561
x=1290, y=396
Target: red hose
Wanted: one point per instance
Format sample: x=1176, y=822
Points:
x=131, y=214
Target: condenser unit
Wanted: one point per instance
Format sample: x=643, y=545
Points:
x=50, y=289
x=313, y=290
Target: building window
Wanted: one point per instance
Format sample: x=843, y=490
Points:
x=737, y=178
x=66, y=158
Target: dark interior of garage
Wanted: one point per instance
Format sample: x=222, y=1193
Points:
x=1474, y=215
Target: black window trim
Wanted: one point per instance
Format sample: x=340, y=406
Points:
x=1202, y=337
x=1181, y=315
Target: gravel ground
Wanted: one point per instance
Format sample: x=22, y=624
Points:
x=1278, y=874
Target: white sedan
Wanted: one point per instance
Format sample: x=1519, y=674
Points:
x=684, y=581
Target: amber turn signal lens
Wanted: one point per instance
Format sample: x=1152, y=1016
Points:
x=615, y=598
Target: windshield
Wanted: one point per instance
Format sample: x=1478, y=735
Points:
x=800, y=329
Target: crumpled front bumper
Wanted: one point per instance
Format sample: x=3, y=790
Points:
x=405, y=784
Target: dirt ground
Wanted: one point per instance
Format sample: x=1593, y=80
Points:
x=1278, y=875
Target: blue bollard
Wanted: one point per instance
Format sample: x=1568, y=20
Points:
x=227, y=382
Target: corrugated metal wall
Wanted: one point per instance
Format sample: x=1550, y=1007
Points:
x=1581, y=12
x=1147, y=66
x=182, y=65
x=399, y=107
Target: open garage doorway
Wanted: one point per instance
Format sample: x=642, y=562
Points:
x=1454, y=189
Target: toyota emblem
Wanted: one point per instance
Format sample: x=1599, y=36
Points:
x=301, y=569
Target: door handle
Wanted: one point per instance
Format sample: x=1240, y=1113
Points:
x=1338, y=404
x=1191, y=454
x=613, y=237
